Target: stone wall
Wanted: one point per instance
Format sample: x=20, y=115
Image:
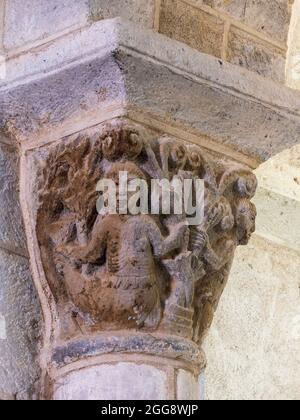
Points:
x=20, y=315
x=253, y=328
x=293, y=57
x=253, y=347
x=251, y=34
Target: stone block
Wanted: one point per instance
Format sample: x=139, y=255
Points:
x=198, y=29
x=203, y=93
x=256, y=55
x=285, y=213
x=187, y=386
x=29, y=20
x=12, y=235
x=141, y=11
x=234, y=8
x=2, y=5
x=271, y=18
x=261, y=305
x=20, y=320
x=121, y=381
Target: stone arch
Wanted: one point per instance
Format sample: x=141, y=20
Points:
x=293, y=55
x=257, y=325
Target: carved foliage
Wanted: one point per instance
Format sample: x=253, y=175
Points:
x=146, y=272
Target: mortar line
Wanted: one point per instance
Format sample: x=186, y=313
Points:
x=225, y=40
x=236, y=23
x=157, y=15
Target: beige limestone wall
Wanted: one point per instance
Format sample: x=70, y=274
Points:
x=293, y=56
x=248, y=33
x=20, y=316
x=251, y=34
x=253, y=347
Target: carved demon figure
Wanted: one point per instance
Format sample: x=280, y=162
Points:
x=128, y=293
x=142, y=271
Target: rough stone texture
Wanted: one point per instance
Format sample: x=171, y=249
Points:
x=141, y=11
x=281, y=174
x=293, y=56
x=279, y=180
x=285, y=213
x=262, y=301
x=2, y=4
x=122, y=381
x=271, y=17
x=211, y=111
x=12, y=234
x=192, y=26
x=253, y=347
x=255, y=55
x=29, y=20
x=199, y=26
x=218, y=99
x=19, y=328
x=139, y=343
x=157, y=90
x=187, y=386
x=135, y=271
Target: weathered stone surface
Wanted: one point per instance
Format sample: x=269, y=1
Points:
x=279, y=193
x=121, y=381
x=20, y=320
x=12, y=234
x=192, y=26
x=29, y=20
x=34, y=20
x=2, y=5
x=281, y=174
x=235, y=8
x=187, y=386
x=293, y=56
x=255, y=55
x=271, y=18
x=253, y=346
x=218, y=99
x=141, y=11
x=138, y=343
x=285, y=213
x=135, y=270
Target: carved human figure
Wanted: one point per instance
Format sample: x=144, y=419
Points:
x=114, y=271
x=128, y=292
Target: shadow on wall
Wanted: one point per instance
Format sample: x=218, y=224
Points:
x=293, y=56
x=253, y=348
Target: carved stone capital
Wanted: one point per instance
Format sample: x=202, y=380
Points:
x=130, y=283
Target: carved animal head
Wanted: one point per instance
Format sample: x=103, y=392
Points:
x=195, y=159
x=178, y=156
x=245, y=220
x=119, y=143
x=246, y=186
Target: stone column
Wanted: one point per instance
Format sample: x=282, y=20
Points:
x=130, y=297
x=127, y=301
x=20, y=315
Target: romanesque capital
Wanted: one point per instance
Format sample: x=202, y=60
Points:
x=132, y=282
